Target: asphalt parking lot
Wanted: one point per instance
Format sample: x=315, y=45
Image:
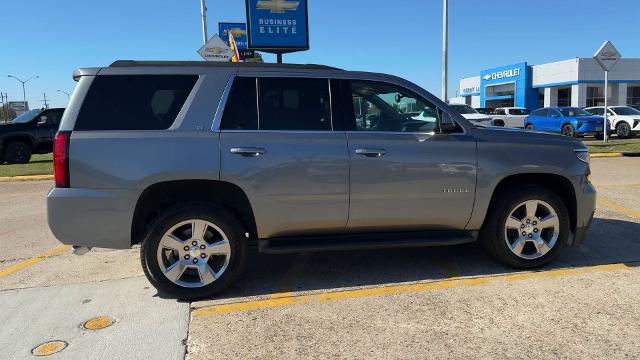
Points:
x=450, y=302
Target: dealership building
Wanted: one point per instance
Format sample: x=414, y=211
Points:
x=574, y=82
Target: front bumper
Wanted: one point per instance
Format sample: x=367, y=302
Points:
x=585, y=208
x=91, y=217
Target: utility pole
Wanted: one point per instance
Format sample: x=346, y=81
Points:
x=203, y=11
x=24, y=93
x=44, y=100
x=445, y=45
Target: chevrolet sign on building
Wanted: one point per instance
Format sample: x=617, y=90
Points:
x=278, y=26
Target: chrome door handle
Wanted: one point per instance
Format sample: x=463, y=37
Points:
x=371, y=152
x=248, y=151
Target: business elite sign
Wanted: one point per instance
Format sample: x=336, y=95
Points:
x=278, y=26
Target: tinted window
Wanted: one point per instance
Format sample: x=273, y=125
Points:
x=573, y=112
x=518, y=112
x=500, y=112
x=625, y=110
x=386, y=107
x=294, y=104
x=539, y=112
x=134, y=102
x=241, y=112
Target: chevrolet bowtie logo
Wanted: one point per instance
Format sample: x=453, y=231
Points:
x=487, y=77
x=277, y=6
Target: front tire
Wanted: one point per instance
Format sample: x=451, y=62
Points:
x=526, y=227
x=568, y=130
x=623, y=130
x=17, y=152
x=529, y=127
x=193, y=251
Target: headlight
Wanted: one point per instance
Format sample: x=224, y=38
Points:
x=582, y=155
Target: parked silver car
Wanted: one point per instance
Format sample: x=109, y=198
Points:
x=196, y=161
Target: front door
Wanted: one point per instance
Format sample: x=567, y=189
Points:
x=405, y=174
x=283, y=154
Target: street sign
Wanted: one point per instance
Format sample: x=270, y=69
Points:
x=607, y=56
x=277, y=26
x=215, y=50
x=239, y=31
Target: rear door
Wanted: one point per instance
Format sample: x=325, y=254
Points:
x=277, y=144
x=405, y=174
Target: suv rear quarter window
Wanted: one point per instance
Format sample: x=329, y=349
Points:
x=134, y=102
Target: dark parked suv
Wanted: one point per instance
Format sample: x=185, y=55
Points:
x=196, y=161
x=30, y=133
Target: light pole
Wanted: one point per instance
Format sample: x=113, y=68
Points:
x=445, y=46
x=66, y=93
x=24, y=93
x=203, y=10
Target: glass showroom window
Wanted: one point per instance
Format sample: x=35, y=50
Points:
x=633, y=95
x=564, y=97
x=595, y=96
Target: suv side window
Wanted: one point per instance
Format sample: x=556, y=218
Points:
x=241, y=110
x=294, y=104
x=386, y=107
x=500, y=112
x=134, y=102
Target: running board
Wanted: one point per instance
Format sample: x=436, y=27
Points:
x=285, y=245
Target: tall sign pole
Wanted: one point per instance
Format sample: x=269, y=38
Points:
x=607, y=56
x=445, y=45
x=203, y=11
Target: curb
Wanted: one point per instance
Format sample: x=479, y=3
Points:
x=25, y=178
x=616, y=154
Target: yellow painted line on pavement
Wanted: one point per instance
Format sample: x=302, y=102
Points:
x=606, y=155
x=399, y=289
x=25, y=178
x=617, y=207
x=34, y=260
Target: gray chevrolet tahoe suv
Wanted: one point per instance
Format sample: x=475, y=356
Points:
x=195, y=161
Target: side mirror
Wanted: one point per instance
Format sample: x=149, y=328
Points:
x=42, y=121
x=446, y=123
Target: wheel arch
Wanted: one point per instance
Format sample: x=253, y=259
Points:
x=161, y=195
x=558, y=184
x=19, y=137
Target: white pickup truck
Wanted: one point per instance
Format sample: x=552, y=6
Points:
x=512, y=116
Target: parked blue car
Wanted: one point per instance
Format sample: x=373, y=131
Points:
x=569, y=121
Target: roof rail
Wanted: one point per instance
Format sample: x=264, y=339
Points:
x=135, y=63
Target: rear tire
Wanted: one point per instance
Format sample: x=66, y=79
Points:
x=528, y=127
x=568, y=130
x=17, y=152
x=508, y=222
x=599, y=136
x=198, y=266
x=623, y=130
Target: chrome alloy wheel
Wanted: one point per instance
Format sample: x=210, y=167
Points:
x=532, y=229
x=194, y=253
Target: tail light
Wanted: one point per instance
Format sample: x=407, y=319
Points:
x=61, y=159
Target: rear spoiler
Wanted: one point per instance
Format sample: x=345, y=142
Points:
x=78, y=73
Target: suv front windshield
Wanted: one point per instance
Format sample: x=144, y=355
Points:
x=625, y=110
x=25, y=117
x=464, y=109
x=573, y=112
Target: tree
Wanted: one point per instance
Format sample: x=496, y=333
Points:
x=257, y=58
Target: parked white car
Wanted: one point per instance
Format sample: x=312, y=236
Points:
x=512, y=116
x=624, y=120
x=472, y=114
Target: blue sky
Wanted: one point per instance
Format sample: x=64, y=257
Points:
x=400, y=37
